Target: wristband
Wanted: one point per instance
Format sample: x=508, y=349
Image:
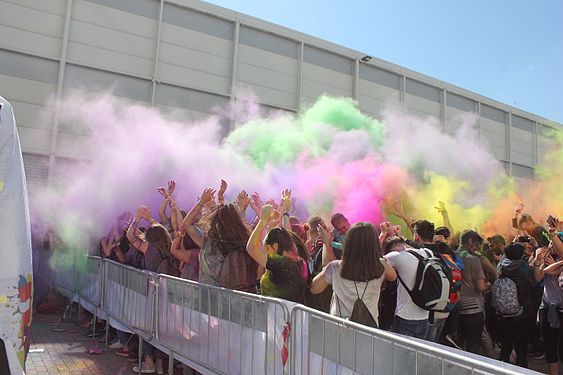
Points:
x=286, y=214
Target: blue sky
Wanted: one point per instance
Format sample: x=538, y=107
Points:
x=508, y=50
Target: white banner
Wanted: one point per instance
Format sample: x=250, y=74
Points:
x=15, y=247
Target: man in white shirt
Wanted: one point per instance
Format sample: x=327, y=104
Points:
x=410, y=320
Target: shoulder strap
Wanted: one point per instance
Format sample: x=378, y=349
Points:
x=363, y=293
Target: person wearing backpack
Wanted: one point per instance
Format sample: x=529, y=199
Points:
x=356, y=279
x=512, y=303
x=223, y=260
x=472, y=317
x=410, y=319
x=424, y=236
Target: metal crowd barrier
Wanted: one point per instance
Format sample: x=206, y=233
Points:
x=89, y=277
x=129, y=297
x=222, y=330
x=326, y=344
x=65, y=275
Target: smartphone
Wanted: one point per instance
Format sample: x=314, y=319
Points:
x=523, y=239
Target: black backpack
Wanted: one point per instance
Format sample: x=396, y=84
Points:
x=431, y=289
x=360, y=312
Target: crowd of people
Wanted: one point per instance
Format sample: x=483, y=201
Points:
x=455, y=288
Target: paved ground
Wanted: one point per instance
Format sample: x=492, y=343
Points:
x=66, y=352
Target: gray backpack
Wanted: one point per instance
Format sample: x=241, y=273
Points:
x=505, y=298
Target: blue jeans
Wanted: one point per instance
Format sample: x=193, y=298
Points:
x=435, y=329
x=413, y=328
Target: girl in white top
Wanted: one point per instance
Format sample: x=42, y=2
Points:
x=362, y=268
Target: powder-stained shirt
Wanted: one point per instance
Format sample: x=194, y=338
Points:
x=285, y=278
x=210, y=263
x=152, y=258
x=471, y=298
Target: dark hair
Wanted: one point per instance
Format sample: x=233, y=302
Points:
x=300, y=246
x=281, y=237
x=514, y=251
x=424, y=229
x=361, y=254
x=158, y=236
x=442, y=248
x=391, y=242
x=226, y=229
x=443, y=231
x=525, y=219
x=496, y=240
x=337, y=217
x=470, y=235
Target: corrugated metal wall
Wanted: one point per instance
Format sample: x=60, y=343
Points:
x=187, y=56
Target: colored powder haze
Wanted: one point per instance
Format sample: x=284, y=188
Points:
x=331, y=155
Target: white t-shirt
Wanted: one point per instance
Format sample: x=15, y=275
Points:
x=406, y=265
x=344, y=293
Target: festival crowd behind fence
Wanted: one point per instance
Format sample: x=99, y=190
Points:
x=245, y=287
x=359, y=246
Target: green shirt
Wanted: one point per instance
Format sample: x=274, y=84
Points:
x=285, y=278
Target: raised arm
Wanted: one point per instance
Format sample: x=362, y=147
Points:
x=328, y=252
x=242, y=203
x=176, y=251
x=254, y=246
x=188, y=224
x=176, y=217
x=162, y=211
x=441, y=207
x=517, y=213
x=221, y=192
x=134, y=240
x=285, y=207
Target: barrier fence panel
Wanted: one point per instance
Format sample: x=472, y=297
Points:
x=89, y=275
x=324, y=344
x=222, y=330
x=129, y=296
x=65, y=275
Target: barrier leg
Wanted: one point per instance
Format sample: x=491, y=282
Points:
x=140, y=352
x=94, y=325
x=171, y=363
x=107, y=332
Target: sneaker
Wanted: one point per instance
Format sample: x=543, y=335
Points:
x=450, y=339
x=537, y=355
x=117, y=345
x=144, y=369
x=124, y=352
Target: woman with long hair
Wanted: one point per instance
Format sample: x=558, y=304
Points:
x=223, y=260
x=359, y=274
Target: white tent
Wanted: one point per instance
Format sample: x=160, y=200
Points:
x=15, y=246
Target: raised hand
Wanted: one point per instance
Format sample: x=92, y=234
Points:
x=139, y=213
x=396, y=230
x=266, y=212
x=385, y=227
x=207, y=196
x=171, y=187
x=285, y=203
x=325, y=235
x=519, y=209
x=274, y=219
x=441, y=208
x=243, y=200
x=222, y=190
x=256, y=202
x=162, y=191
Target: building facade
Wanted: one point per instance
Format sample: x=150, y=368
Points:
x=188, y=56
